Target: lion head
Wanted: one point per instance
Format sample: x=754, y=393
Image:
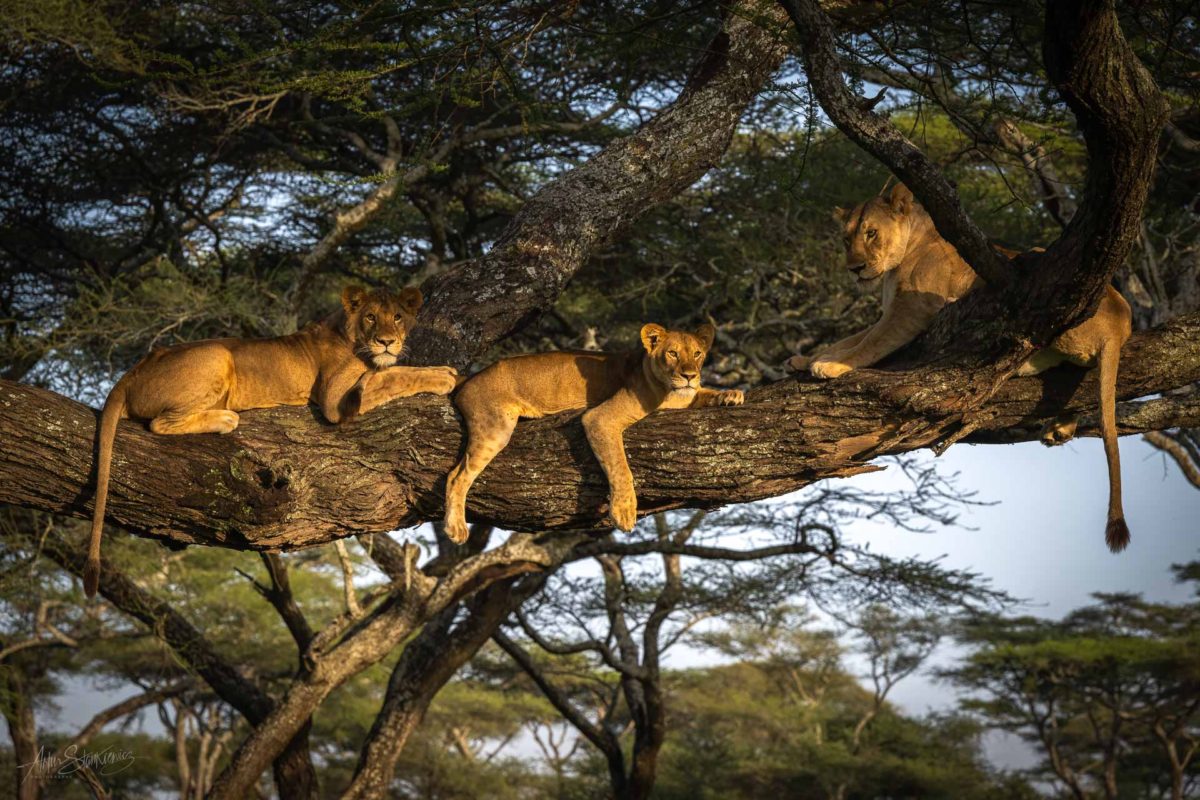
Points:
x=876, y=233
x=675, y=357
x=379, y=321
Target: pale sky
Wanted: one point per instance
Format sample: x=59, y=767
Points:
x=1044, y=540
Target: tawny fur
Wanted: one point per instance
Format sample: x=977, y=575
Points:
x=345, y=364
x=618, y=389
x=895, y=239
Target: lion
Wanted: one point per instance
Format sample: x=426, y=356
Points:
x=618, y=389
x=345, y=364
x=895, y=239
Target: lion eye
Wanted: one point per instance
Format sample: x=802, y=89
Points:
x=696, y=354
x=397, y=318
x=871, y=233
x=370, y=318
x=673, y=354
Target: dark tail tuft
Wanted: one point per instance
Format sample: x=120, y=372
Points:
x=91, y=577
x=1116, y=535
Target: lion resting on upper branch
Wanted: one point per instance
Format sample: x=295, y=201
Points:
x=345, y=364
x=922, y=272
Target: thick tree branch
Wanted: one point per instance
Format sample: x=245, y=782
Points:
x=481, y=301
x=285, y=480
x=879, y=137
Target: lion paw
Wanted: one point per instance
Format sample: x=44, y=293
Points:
x=456, y=529
x=1058, y=433
x=227, y=421
x=732, y=397
x=442, y=380
x=623, y=510
x=829, y=369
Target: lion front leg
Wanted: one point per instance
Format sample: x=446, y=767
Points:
x=605, y=431
x=905, y=319
x=385, y=385
x=717, y=397
x=831, y=362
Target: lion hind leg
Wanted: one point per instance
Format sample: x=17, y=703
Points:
x=1042, y=360
x=488, y=432
x=210, y=421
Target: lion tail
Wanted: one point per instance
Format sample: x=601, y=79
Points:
x=114, y=412
x=1116, y=533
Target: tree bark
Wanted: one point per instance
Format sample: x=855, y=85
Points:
x=283, y=480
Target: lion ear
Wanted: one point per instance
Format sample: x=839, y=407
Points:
x=353, y=298
x=706, y=333
x=651, y=335
x=411, y=299
x=841, y=214
x=901, y=200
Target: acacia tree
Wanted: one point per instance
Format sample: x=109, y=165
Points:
x=284, y=482
x=622, y=623
x=1109, y=695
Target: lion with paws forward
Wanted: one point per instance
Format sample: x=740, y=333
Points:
x=618, y=389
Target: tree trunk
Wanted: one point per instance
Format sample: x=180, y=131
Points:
x=17, y=705
x=427, y=663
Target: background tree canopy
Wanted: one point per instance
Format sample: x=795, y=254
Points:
x=553, y=175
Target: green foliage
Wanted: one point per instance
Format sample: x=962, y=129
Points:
x=167, y=168
x=739, y=731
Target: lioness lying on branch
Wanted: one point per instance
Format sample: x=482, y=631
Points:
x=618, y=389
x=922, y=272
x=345, y=364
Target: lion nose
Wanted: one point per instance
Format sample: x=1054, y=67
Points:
x=384, y=342
x=857, y=268
x=688, y=376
